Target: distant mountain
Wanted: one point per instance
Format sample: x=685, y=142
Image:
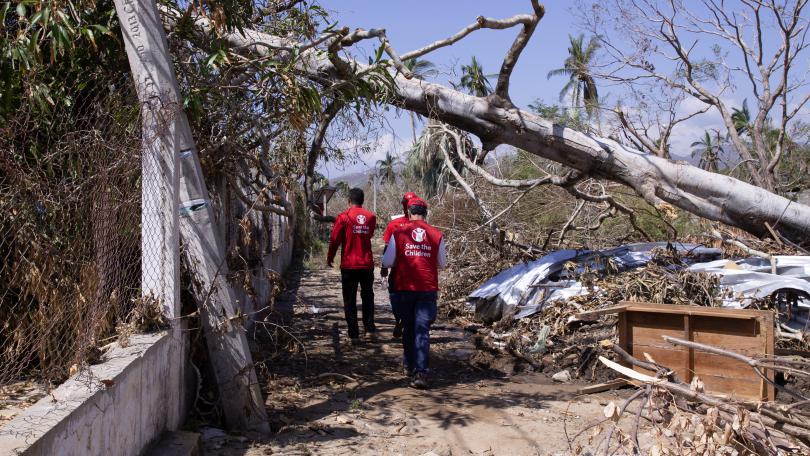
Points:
x=358, y=179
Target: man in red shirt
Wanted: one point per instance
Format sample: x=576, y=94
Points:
x=352, y=232
x=397, y=221
x=416, y=251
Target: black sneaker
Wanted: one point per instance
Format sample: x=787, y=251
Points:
x=419, y=381
x=408, y=371
x=397, y=330
x=355, y=341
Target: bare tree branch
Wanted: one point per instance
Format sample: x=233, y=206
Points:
x=316, y=148
x=481, y=22
x=502, y=87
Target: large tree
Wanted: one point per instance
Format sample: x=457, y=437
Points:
x=420, y=68
x=496, y=120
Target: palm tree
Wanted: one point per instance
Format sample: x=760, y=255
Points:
x=419, y=68
x=425, y=161
x=742, y=118
x=708, y=151
x=473, y=79
x=577, y=67
x=386, y=168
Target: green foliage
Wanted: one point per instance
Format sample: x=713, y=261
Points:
x=420, y=68
x=46, y=46
x=742, y=118
x=562, y=116
x=577, y=67
x=707, y=150
x=473, y=79
x=386, y=168
x=425, y=161
x=315, y=251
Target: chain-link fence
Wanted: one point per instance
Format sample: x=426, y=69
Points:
x=70, y=230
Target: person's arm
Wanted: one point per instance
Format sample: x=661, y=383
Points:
x=442, y=255
x=386, y=238
x=335, y=240
x=390, y=255
x=383, y=269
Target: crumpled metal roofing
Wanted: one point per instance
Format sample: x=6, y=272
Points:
x=524, y=289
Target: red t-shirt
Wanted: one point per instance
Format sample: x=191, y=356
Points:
x=352, y=232
x=417, y=257
x=397, y=222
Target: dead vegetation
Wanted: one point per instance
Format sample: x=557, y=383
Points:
x=69, y=234
x=683, y=417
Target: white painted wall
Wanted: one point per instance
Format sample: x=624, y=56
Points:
x=85, y=417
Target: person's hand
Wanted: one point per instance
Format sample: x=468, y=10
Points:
x=383, y=272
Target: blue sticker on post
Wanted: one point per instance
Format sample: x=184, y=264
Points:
x=189, y=207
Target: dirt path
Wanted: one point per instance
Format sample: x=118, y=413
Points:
x=357, y=401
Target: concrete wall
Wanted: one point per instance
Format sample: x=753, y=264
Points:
x=117, y=407
x=258, y=243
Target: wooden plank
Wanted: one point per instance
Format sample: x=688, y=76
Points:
x=669, y=357
x=625, y=341
x=743, y=314
x=722, y=365
x=654, y=320
x=741, y=388
x=598, y=313
x=648, y=333
x=740, y=344
x=767, y=323
x=602, y=387
x=722, y=325
x=690, y=354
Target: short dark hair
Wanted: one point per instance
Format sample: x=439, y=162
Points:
x=356, y=196
x=418, y=210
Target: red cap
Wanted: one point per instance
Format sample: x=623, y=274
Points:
x=405, y=198
x=416, y=201
x=408, y=196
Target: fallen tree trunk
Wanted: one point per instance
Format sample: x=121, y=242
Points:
x=495, y=120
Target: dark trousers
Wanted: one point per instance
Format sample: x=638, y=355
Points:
x=350, y=279
x=417, y=311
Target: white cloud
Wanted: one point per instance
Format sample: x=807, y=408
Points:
x=693, y=129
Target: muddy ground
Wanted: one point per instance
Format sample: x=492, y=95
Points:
x=326, y=397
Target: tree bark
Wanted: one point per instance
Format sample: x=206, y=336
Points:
x=661, y=182
x=168, y=140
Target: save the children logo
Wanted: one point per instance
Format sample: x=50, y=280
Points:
x=361, y=219
x=418, y=234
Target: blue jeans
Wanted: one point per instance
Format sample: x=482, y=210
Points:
x=417, y=311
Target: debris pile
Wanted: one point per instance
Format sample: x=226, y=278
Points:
x=554, y=289
x=533, y=312
x=527, y=288
x=688, y=420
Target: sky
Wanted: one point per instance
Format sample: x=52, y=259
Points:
x=412, y=24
